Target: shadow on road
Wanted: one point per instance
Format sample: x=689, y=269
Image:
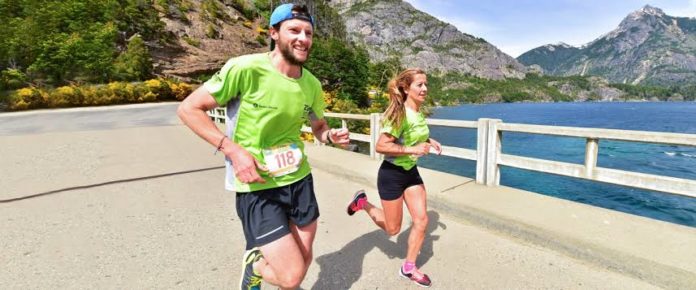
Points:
x=107, y=183
x=341, y=269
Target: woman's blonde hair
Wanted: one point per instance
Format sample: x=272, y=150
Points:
x=398, y=87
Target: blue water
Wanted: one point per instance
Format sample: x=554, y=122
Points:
x=667, y=160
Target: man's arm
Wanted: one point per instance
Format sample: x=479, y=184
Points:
x=324, y=134
x=192, y=111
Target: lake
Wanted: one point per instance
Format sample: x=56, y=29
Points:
x=667, y=160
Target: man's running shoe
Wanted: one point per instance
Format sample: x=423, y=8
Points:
x=358, y=202
x=416, y=276
x=251, y=280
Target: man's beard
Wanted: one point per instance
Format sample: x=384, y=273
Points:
x=286, y=52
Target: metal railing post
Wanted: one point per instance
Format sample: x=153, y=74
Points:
x=494, y=147
x=375, y=126
x=218, y=115
x=481, y=150
x=591, y=151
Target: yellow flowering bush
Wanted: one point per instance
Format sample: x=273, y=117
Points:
x=159, y=88
x=180, y=90
x=148, y=97
x=309, y=137
x=120, y=90
x=61, y=97
x=29, y=98
x=96, y=95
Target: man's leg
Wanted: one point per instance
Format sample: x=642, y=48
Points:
x=286, y=260
x=283, y=264
x=266, y=227
x=304, y=236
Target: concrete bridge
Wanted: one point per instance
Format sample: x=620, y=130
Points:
x=128, y=198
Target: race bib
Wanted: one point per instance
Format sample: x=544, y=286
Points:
x=282, y=160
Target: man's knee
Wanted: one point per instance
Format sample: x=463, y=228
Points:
x=291, y=278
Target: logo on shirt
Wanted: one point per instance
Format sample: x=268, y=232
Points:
x=257, y=105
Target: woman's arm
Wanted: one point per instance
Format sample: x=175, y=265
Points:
x=387, y=146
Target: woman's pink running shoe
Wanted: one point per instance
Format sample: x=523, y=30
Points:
x=416, y=276
x=358, y=202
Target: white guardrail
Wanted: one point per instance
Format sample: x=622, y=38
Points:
x=489, y=158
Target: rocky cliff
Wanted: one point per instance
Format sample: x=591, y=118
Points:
x=394, y=28
x=203, y=35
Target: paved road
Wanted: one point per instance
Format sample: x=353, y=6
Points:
x=82, y=119
x=136, y=207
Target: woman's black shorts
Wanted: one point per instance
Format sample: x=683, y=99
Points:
x=392, y=180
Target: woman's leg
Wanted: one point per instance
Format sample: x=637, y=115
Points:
x=389, y=216
x=415, y=197
x=390, y=178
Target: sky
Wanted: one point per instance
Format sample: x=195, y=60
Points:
x=516, y=26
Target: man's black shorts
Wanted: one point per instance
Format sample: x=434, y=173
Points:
x=265, y=214
x=392, y=180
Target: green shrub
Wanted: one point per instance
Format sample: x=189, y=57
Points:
x=248, y=11
x=12, y=79
x=135, y=63
x=211, y=32
x=191, y=41
x=261, y=39
x=211, y=11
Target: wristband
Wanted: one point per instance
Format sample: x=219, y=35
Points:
x=328, y=137
x=220, y=144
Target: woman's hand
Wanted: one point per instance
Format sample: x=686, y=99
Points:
x=420, y=149
x=436, y=145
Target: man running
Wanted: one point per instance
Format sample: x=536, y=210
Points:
x=268, y=97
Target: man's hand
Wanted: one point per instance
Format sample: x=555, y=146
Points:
x=339, y=136
x=245, y=165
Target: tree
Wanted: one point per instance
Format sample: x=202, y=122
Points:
x=342, y=69
x=135, y=63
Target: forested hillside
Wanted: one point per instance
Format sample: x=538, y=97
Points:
x=83, y=53
x=55, y=42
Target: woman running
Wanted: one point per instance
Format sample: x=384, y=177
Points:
x=404, y=137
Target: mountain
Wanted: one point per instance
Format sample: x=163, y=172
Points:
x=549, y=56
x=393, y=28
x=648, y=47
